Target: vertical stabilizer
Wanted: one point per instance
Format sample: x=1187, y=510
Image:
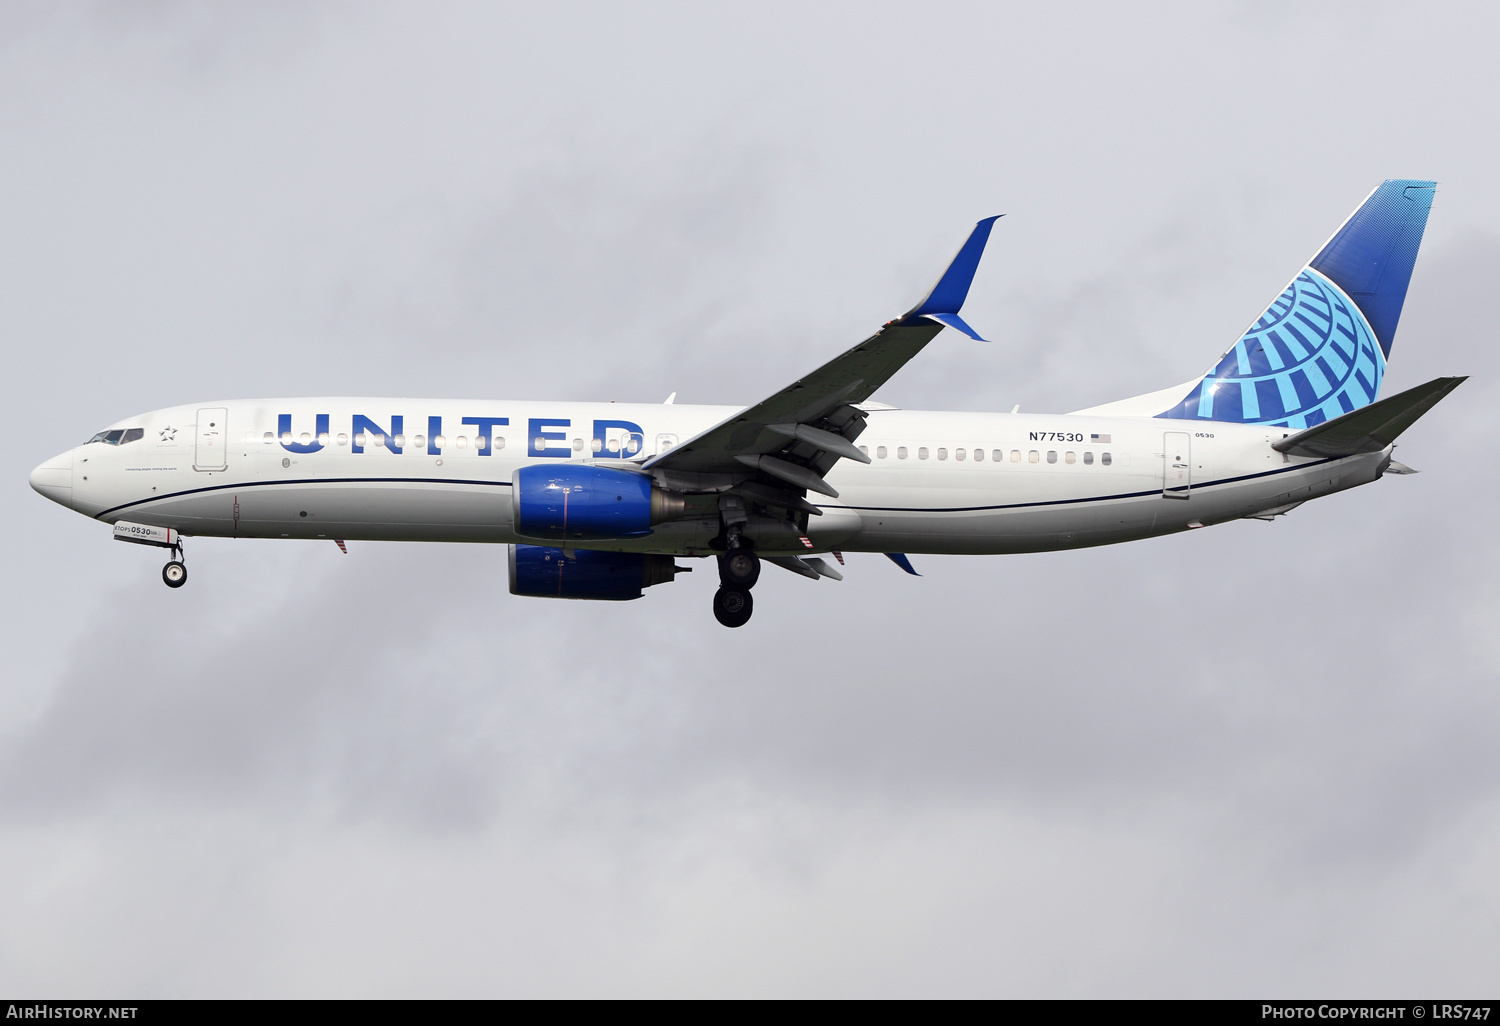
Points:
x=1319, y=350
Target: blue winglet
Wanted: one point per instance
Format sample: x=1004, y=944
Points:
x=948, y=295
x=955, y=322
x=899, y=558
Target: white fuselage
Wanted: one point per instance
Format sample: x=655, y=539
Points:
x=938, y=482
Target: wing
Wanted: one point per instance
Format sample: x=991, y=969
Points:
x=797, y=435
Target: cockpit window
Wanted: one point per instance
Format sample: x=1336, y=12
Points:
x=119, y=436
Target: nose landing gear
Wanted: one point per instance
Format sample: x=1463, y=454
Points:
x=174, y=574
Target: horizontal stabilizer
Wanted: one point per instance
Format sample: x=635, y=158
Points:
x=1369, y=428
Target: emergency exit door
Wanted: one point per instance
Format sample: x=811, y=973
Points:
x=212, y=435
x=1176, y=465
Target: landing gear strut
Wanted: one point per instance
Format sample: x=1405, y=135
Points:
x=739, y=567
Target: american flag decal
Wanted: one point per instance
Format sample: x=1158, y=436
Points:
x=1099, y=439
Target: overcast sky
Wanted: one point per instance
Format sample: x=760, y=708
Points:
x=1254, y=760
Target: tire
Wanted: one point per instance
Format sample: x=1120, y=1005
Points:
x=739, y=568
x=174, y=574
x=732, y=607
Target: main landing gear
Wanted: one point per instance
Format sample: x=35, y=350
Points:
x=739, y=569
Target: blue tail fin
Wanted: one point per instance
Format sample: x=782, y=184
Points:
x=1320, y=348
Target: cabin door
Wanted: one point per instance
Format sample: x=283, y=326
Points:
x=213, y=434
x=1176, y=465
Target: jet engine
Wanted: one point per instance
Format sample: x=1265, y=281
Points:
x=542, y=572
x=575, y=502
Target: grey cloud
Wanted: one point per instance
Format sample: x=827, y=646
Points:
x=1255, y=759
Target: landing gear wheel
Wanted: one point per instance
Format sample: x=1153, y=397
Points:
x=175, y=574
x=739, y=568
x=732, y=607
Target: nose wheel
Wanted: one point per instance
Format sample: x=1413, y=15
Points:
x=174, y=574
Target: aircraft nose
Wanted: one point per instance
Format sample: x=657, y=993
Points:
x=54, y=479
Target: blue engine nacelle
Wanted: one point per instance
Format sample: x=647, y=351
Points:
x=543, y=572
x=573, y=502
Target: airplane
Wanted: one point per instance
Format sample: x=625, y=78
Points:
x=598, y=500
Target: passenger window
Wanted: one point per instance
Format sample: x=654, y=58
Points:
x=343, y=439
x=942, y=454
x=633, y=446
x=1104, y=459
x=323, y=438
x=361, y=440
x=463, y=441
x=268, y=437
x=865, y=449
x=1088, y=458
x=597, y=445
x=286, y=438
x=578, y=445
x=1033, y=456
x=880, y=452
x=133, y=435
x=1015, y=455
x=921, y=452
x=958, y=454
x=1051, y=455
x=978, y=455
x=901, y=452
x=1070, y=457
x=418, y=441
x=440, y=441
x=401, y=441
x=499, y=441
x=540, y=443
x=479, y=442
